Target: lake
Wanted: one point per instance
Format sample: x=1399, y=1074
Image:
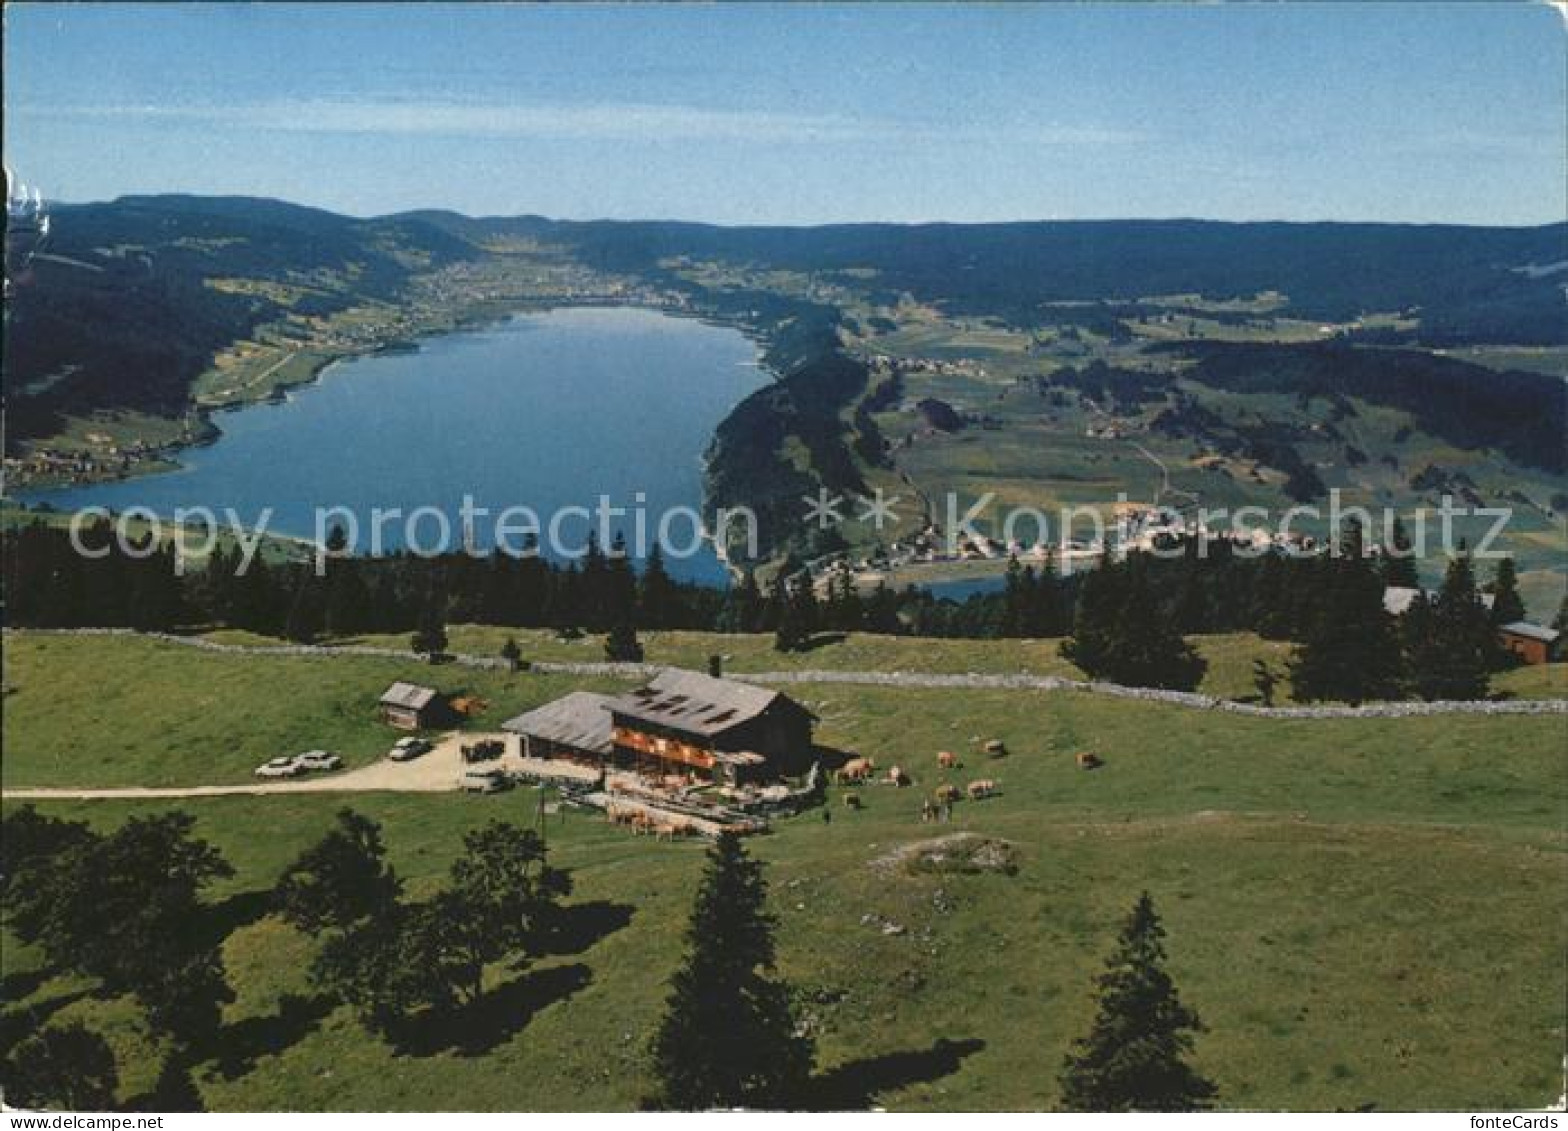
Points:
x=546, y=411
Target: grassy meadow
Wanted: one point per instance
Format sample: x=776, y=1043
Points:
x=1365, y=912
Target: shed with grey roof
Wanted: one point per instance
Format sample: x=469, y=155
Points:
x=575, y=727
x=411, y=707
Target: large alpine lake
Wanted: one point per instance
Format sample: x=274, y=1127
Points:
x=546, y=411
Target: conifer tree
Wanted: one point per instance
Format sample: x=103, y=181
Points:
x=1451, y=643
x=728, y=1038
x=1507, y=605
x=1094, y=619
x=656, y=592
x=1398, y=561
x=1134, y=1058
x=1349, y=651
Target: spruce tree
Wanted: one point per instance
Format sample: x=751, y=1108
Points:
x=1094, y=619
x=1398, y=561
x=1134, y=1056
x=728, y=1038
x=1451, y=644
x=430, y=639
x=1349, y=651
x=656, y=598
x=1507, y=605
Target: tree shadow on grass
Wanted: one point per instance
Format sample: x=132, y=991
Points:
x=493, y=1018
x=857, y=1084
x=16, y=1025
x=237, y=1047
x=580, y=926
x=242, y=909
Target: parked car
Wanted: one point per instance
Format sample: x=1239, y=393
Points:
x=285, y=767
x=313, y=760
x=484, y=781
x=407, y=749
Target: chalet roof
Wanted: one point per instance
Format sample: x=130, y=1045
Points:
x=409, y=696
x=1532, y=631
x=580, y=720
x=696, y=703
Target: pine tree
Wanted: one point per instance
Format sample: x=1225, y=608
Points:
x=1398, y=561
x=621, y=645
x=1451, y=643
x=1094, y=619
x=1507, y=605
x=1147, y=649
x=1349, y=651
x=728, y=1038
x=657, y=598
x=430, y=639
x=789, y=632
x=1133, y=1057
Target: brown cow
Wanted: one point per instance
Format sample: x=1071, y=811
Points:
x=855, y=770
x=1087, y=761
x=947, y=759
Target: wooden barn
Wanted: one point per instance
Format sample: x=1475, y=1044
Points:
x=687, y=724
x=1531, y=643
x=411, y=707
x=575, y=728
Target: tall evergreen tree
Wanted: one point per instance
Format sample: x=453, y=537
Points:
x=656, y=597
x=1094, y=618
x=1507, y=605
x=1134, y=1058
x=728, y=1038
x=1451, y=642
x=1349, y=651
x=1398, y=560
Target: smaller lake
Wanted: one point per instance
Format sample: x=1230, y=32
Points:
x=546, y=411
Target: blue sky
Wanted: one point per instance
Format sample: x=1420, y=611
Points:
x=805, y=114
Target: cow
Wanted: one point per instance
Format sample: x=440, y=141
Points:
x=855, y=770
x=980, y=789
x=947, y=759
x=897, y=776
x=852, y=801
x=1087, y=761
x=946, y=794
x=996, y=748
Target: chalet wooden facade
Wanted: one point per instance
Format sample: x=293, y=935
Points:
x=1531, y=643
x=691, y=725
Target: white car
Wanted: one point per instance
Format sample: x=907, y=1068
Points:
x=483, y=781
x=285, y=767
x=313, y=760
x=407, y=749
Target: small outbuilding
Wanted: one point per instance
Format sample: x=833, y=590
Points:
x=1531, y=643
x=408, y=706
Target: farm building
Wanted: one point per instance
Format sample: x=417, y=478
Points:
x=688, y=724
x=411, y=707
x=1532, y=643
x=575, y=728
